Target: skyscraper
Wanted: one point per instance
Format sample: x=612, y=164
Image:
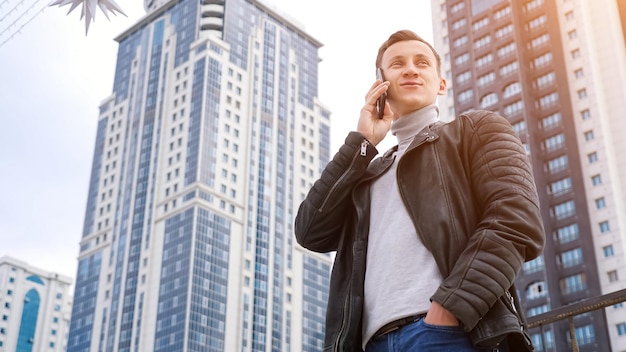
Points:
x=209, y=141
x=557, y=70
x=34, y=308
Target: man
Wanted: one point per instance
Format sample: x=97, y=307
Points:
x=429, y=237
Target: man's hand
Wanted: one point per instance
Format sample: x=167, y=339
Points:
x=438, y=315
x=370, y=125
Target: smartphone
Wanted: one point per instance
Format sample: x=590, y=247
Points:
x=380, y=103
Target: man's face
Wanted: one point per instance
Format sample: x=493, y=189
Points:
x=411, y=68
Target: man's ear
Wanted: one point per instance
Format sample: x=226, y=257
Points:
x=442, y=87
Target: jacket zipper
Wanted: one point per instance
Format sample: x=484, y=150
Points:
x=362, y=152
x=346, y=313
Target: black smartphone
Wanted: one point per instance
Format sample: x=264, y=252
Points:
x=380, y=103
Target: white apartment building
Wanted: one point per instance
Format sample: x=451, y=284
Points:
x=35, y=308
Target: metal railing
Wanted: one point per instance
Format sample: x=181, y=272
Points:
x=572, y=310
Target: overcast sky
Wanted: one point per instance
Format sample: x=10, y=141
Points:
x=53, y=78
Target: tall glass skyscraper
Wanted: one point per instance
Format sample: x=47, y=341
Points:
x=556, y=69
x=210, y=140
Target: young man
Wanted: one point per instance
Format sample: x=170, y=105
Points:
x=430, y=236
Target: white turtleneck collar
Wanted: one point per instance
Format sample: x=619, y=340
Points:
x=407, y=126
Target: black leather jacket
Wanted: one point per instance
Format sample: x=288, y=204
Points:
x=469, y=189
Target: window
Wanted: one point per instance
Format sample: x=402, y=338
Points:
x=561, y=186
x=558, y=164
x=508, y=69
x=600, y=203
x=507, y=49
x=486, y=79
x=546, y=80
x=457, y=7
x=572, y=284
x=575, y=53
x=488, y=100
x=512, y=89
x=578, y=73
x=461, y=59
x=534, y=265
x=459, y=24
x=572, y=34
x=482, y=41
x=592, y=157
x=538, y=310
x=585, y=335
x=460, y=41
x=569, y=16
x=537, y=22
x=520, y=127
x=465, y=96
x=542, y=60
x=621, y=329
x=563, y=210
x=540, y=40
x=536, y=290
x=585, y=114
x=571, y=258
x=551, y=121
x=548, y=100
x=555, y=142
x=567, y=234
x=596, y=180
x=483, y=22
x=484, y=60
x=531, y=5
x=548, y=340
x=608, y=251
x=612, y=276
x=503, y=31
x=582, y=94
x=502, y=13
x=513, y=109
x=463, y=77
x=604, y=227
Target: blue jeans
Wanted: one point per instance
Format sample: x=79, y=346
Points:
x=423, y=337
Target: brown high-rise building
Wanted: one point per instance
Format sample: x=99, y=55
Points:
x=556, y=69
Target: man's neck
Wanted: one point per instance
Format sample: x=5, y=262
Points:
x=407, y=126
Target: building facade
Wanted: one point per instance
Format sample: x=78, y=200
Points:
x=35, y=308
x=210, y=140
x=556, y=69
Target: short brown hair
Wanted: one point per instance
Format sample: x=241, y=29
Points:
x=401, y=36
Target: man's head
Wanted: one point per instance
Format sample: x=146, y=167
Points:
x=413, y=68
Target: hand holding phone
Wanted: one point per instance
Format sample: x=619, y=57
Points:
x=380, y=102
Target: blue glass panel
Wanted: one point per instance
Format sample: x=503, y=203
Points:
x=83, y=307
x=36, y=279
x=26, y=336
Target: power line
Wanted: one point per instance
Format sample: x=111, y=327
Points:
x=11, y=36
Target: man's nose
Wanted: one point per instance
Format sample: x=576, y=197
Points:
x=411, y=70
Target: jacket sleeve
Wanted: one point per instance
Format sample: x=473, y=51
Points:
x=509, y=230
x=323, y=212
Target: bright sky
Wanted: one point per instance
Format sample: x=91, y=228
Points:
x=53, y=78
